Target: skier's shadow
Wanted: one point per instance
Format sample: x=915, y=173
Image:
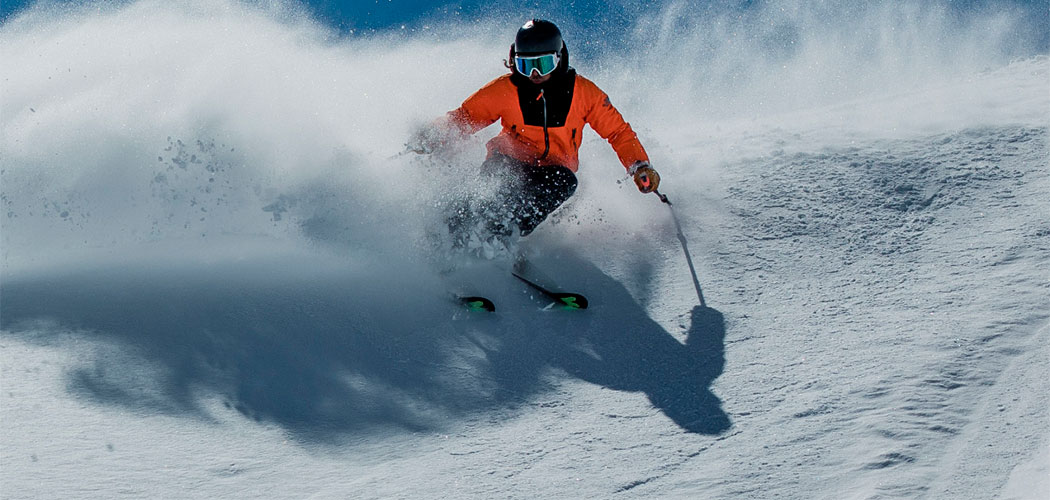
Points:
x=677, y=378
x=295, y=343
x=621, y=348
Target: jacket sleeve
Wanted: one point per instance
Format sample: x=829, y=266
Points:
x=607, y=121
x=481, y=109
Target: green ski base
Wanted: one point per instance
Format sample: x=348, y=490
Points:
x=478, y=304
x=562, y=300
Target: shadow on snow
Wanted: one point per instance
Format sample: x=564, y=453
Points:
x=310, y=348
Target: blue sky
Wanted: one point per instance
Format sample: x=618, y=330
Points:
x=382, y=14
x=606, y=18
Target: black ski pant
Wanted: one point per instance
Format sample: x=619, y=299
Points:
x=530, y=193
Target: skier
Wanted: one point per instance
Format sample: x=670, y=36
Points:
x=542, y=106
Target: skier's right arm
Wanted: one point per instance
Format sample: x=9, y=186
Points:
x=478, y=111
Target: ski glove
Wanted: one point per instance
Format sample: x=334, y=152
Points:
x=645, y=177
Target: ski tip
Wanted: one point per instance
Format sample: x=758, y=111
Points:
x=478, y=304
x=571, y=301
x=567, y=301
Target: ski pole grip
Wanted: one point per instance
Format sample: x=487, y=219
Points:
x=662, y=197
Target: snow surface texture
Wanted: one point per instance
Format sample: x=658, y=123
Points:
x=218, y=280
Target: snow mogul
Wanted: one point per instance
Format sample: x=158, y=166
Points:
x=542, y=105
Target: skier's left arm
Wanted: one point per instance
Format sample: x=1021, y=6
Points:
x=607, y=121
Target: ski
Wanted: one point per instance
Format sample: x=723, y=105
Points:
x=563, y=300
x=476, y=303
x=462, y=293
x=534, y=278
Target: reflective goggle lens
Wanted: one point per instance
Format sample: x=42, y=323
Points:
x=545, y=64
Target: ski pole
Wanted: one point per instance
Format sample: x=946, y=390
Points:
x=399, y=155
x=685, y=246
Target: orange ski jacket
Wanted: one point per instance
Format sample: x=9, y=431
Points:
x=544, y=126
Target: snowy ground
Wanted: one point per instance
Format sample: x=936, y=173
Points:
x=219, y=287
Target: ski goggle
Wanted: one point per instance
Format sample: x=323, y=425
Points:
x=544, y=64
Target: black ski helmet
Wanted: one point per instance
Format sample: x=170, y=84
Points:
x=537, y=37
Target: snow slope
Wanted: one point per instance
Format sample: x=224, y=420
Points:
x=217, y=281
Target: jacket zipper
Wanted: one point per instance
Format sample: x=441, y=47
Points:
x=546, y=136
